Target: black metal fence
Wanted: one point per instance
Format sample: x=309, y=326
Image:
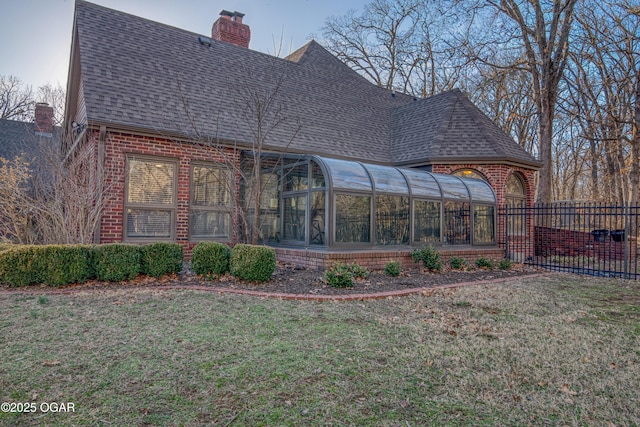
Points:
x=583, y=238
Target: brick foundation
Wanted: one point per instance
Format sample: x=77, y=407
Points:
x=375, y=259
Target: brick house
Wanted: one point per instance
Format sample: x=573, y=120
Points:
x=347, y=169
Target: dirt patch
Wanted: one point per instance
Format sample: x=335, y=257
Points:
x=288, y=279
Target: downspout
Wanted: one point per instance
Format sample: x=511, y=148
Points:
x=99, y=178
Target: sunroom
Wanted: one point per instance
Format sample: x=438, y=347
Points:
x=316, y=202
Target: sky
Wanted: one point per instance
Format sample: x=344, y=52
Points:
x=35, y=35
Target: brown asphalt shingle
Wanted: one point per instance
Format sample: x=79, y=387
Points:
x=149, y=76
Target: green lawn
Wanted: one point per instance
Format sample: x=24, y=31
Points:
x=557, y=350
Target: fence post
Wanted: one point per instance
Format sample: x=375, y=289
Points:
x=626, y=241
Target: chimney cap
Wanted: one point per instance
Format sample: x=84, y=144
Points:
x=232, y=14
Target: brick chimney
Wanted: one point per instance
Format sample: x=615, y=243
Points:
x=229, y=28
x=44, y=119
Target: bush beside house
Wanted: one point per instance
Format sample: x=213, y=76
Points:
x=253, y=263
x=210, y=258
x=57, y=265
x=158, y=259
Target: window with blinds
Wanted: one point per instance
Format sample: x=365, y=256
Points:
x=150, y=201
x=210, y=216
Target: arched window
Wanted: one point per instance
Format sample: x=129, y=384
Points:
x=469, y=173
x=516, y=202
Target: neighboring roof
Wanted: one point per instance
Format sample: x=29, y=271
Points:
x=146, y=76
x=449, y=128
x=19, y=138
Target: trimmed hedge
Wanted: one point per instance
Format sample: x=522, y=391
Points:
x=253, y=263
x=54, y=265
x=7, y=246
x=116, y=262
x=158, y=259
x=210, y=258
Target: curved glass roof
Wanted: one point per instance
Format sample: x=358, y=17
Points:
x=388, y=179
x=356, y=176
x=346, y=175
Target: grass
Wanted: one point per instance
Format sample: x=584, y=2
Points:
x=556, y=350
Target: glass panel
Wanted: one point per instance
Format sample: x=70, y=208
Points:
x=480, y=190
x=426, y=221
x=388, y=179
x=515, y=186
x=148, y=223
x=452, y=187
x=317, y=216
x=296, y=178
x=270, y=191
x=468, y=173
x=211, y=186
x=317, y=177
x=392, y=220
x=457, y=230
x=269, y=228
x=348, y=175
x=353, y=218
x=422, y=183
x=210, y=224
x=150, y=181
x=484, y=224
x=294, y=218
x=269, y=219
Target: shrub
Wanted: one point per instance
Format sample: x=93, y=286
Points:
x=20, y=266
x=505, y=264
x=6, y=246
x=339, y=275
x=484, y=263
x=158, y=259
x=457, y=263
x=116, y=262
x=429, y=256
x=392, y=268
x=67, y=264
x=54, y=265
x=252, y=263
x=210, y=258
x=358, y=271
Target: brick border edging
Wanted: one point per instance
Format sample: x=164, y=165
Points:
x=283, y=296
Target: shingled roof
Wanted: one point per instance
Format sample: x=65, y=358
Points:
x=449, y=128
x=20, y=139
x=141, y=75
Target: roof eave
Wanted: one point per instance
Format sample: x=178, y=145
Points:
x=510, y=161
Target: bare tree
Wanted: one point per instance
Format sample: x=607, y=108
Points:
x=15, y=218
x=404, y=45
x=53, y=199
x=55, y=96
x=543, y=30
x=16, y=100
x=601, y=95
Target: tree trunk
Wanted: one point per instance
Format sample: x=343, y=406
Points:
x=545, y=142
